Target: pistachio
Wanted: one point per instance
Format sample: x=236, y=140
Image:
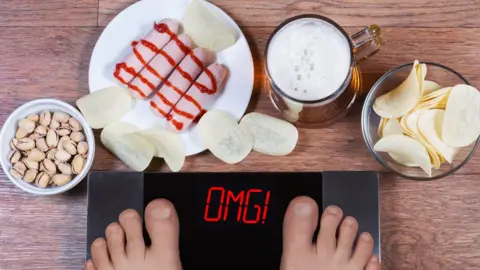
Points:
x=74, y=124
x=65, y=125
x=82, y=148
x=45, y=118
x=65, y=168
x=30, y=175
x=51, y=153
x=48, y=166
x=42, y=144
x=34, y=136
x=27, y=125
x=61, y=179
x=62, y=155
x=70, y=146
x=36, y=155
x=20, y=167
x=25, y=144
x=30, y=164
x=77, y=136
x=16, y=174
x=34, y=117
x=14, y=156
x=41, y=131
x=62, y=141
x=61, y=117
x=78, y=163
x=13, y=144
x=42, y=180
x=64, y=131
x=52, y=138
x=54, y=124
x=21, y=133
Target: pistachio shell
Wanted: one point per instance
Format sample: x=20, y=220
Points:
x=21, y=133
x=34, y=117
x=34, y=136
x=16, y=174
x=78, y=164
x=64, y=131
x=61, y=117
x=30, y=164
x=48, y=166
x=54, y=124
x=82, y=148
x=51, y=153
x=42, y=180
x=14, y=156
x=61, y=179
x=77, y=136
x=25, y=144
x=45, y=118
x=62, y=141
x=62, y=155
x=42, y=144
x=52, y=138
x=74, y=124
x=65, y=168
x=20, y=167
x=13, y=144
x=27, y=125
x=70, y=146
x=36, y=155
x=30, y=175
x=41, y=130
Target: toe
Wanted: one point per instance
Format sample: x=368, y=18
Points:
x=100, y=255
x=363, y=251
x=299, y=225
x=346, y=238
x=373, y=263
x=327, y=240
x=89, y=265
x=162, y=226
x=132, y=225
x=116, y=243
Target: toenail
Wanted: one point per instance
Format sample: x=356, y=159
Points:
x=161, y=213
x=128, y=215
x=303, y=209
x=113, y=229
x=374, y=259
x=366, y=237
x=98, y=243
x=89, y=264
x=333, y=210
x=350, y=221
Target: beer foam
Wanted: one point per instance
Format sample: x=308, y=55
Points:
x=309, y=59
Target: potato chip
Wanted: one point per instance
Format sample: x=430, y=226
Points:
x=105, y=106
x=436, y=94
x=271, y=136
x=404, y=126
x=461, y=126
x=120, y=139
x=430, y=124
x=421, y=73
x=206, y=28
x=402, y=99
x=381, y=125
x=407, y=149
x=429, y=87
x=392, y=127
x=168, y=145
x=221, y=134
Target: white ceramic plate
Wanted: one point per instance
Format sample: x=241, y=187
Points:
x=135, y=22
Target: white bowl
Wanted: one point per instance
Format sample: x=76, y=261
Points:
x=8, y=133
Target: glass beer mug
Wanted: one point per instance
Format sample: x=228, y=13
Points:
x=336, y=101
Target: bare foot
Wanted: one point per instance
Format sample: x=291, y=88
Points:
x=125, y=248
x=329, y=253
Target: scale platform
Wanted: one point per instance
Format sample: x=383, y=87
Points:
x=231, y=220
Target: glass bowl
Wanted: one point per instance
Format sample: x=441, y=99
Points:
x=438, y=73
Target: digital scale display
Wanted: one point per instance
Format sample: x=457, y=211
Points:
x=229, y=220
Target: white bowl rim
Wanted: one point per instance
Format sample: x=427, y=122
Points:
x=90, y=138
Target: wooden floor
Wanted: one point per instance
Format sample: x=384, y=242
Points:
x=45, y=50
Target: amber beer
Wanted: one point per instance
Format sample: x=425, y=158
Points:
x=313, y=77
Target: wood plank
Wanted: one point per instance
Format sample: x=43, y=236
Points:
x=53, y=62
x=48, y=13
x=430, y=225
x=407, y=13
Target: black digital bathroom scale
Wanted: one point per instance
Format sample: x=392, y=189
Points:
x=231, y=220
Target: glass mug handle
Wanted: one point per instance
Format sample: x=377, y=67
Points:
x=367, y=42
